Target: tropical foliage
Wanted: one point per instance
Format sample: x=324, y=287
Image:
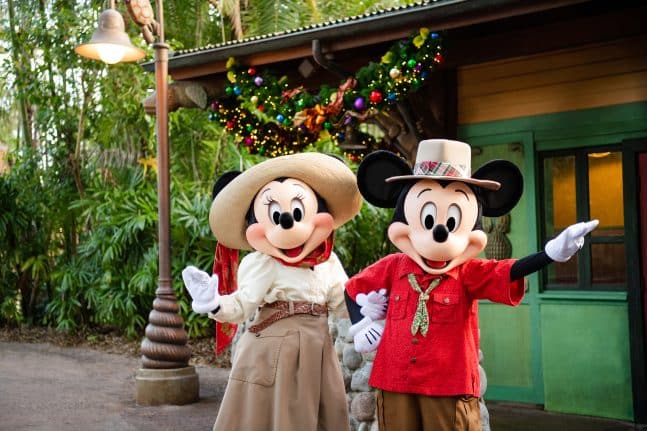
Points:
x=78, y=204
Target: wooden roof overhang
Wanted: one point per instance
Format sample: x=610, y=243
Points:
x=475, y=31
x=477, y=25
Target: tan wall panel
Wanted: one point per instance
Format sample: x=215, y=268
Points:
x=588, y=77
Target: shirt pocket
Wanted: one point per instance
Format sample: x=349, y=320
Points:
x=257, y=356
x=444, y=307
x=397, y=308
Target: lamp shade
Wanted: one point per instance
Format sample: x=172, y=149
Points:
x=110, y=42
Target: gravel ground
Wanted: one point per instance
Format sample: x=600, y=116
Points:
x=51, y=381
x=45, y=387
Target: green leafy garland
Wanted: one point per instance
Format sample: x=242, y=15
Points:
x=271, y=119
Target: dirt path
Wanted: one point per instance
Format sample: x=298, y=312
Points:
x=45, y=387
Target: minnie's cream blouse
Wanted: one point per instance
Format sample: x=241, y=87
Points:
x=263, y=280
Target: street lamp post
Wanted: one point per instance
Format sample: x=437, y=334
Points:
x=165, y=376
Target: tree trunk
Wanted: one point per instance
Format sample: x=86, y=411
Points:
x=18, y=67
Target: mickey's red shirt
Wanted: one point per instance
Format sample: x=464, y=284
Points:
x=445, y=361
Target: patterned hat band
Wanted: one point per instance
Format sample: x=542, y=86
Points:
x=440, y=169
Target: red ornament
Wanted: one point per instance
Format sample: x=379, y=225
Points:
x=231, y=124
x=375, y=96
x=251, y=71
x=261, y=108
x=438, y=58
x=249, y=141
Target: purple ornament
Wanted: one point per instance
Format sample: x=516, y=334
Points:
x=347, y=120
x=359, y=104
x=418, y=67
x=258, y=81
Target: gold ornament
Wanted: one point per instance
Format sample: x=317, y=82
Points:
x=254, y=99
x=394, y=73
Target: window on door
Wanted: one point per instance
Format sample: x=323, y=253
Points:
x=582, y=185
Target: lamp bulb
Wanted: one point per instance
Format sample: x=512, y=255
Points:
x=110, y=53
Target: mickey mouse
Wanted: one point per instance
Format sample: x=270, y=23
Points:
x=285, y=373
x=426, y=365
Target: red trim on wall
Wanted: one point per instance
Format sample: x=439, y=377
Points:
x=642, y=181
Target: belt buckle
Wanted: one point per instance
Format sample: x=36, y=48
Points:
x=312, y=308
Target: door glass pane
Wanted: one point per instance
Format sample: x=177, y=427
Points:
x=605, y=193
x=562, y=275
x=560, y=212
x=608, y=268
x=559, y=193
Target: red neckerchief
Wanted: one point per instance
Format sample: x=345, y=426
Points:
x=316, y=256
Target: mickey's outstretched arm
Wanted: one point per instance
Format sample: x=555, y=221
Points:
x=559, y=249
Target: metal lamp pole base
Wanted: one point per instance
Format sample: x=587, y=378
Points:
x=176, y=386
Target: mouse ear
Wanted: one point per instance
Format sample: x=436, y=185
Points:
x=221, y=182
x=499, y=202
x=374, y=169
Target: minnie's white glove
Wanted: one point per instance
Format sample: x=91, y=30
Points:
x=373, y=305
x=567, y=243
x=366, y=335
x=202, y=288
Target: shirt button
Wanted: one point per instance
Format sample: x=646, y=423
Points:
x=413, y=360
x=446, y=300
x=397, y=297
x=414, y=341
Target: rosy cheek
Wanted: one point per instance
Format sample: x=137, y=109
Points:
x=323, y=221
x=398, y=232
x=255, y=234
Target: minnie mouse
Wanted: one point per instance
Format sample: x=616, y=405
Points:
x=426, y=365
x=285, y=372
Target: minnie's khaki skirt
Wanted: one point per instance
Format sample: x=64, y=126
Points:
x=285, y=378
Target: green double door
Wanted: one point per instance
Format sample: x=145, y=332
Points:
x=576, y=343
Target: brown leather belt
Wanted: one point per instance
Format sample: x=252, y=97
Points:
x=287, y=309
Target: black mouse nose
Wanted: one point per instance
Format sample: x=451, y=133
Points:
x=286, y=220
x=440, y=233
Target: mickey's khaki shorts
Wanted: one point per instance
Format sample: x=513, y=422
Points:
x=400, y=412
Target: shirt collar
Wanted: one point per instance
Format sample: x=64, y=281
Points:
x=409, y=266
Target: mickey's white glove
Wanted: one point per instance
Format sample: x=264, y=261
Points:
x=202, y=288
x=366, y=335
x=373, y=305
x=567, y=243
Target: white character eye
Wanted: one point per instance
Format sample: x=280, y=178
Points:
x=297, y=209
x=453, y=218
x=428, y=215
x=274, y=212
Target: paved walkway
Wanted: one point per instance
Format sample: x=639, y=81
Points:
x=49, y=388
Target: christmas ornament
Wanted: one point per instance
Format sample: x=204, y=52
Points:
x=359, y=104
x=375, y=97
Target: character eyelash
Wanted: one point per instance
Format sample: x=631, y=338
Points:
x=300, y=196
x=268, y=200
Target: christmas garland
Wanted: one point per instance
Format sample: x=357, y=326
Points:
x=271, y=119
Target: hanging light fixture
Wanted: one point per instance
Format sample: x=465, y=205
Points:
x=110, y=42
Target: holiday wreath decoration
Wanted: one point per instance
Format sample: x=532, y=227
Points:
x=272, y=119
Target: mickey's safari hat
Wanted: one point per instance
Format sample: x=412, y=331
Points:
x=234, y=192
x=383, y=175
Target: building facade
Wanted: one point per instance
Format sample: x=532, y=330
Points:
x=560, y=89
